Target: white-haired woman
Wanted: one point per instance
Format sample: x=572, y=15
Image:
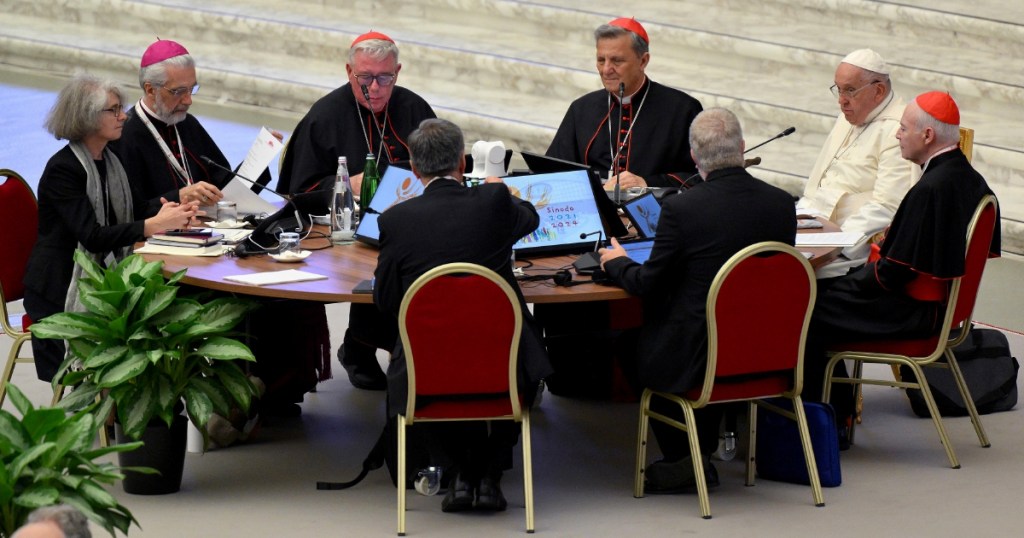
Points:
x=85, y=203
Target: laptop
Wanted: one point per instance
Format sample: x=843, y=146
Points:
x=542, y=164
x=643, y=212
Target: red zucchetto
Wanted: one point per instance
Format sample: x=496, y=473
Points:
x=371, y=35
x=631, y=25
x=940, y=106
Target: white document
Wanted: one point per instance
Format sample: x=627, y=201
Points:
x=262, y=151
x=212, y=250
x=828, y=239
x=275, y=277
x=246, y=201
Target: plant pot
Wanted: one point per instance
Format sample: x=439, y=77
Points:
x=164, y=450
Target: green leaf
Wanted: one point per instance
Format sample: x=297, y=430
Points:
x=160, y=300
x=89, y=267
x=96, y=495
x=80, y=397
x=28, y=456
x=105, y=354
x=101, y=303
x=69, y=326
x=219, y=347
x=20, y=401
x=12, y=434
x=37, y=496
x=199, y=406
x=39, y=422
x=135, y=409
x=224, y=313
x=219, y=397
x=121, y=372
x=238, y=385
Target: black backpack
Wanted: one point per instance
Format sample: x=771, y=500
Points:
x=989, y=370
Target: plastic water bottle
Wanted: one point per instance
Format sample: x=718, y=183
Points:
x=371, y=178
x=342, y=206
x=428, y=481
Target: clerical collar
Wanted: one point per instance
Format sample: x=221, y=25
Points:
x=946, y=149
x=628, y=99
x=431, y=182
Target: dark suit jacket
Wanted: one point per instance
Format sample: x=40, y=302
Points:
x=699, y=230
x=66, y=217
x=451, y=223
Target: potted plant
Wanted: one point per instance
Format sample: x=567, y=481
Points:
x=146, y=348
x=47, y=457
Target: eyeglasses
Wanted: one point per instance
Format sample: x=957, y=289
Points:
x=382, y=80
x=178, y=92
x=850, y=94
x=116, y=110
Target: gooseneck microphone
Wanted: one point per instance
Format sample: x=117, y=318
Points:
x=380, y=132
x=215, y=164
x=588, y=262
x=787, y=132
x=749, y=162
x=618, y=148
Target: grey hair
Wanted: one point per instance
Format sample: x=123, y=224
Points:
x=716, y=140
x=945, y=133
x=869, y=76
x=71, y=521
x=76, y=113
x=607, y=31
x=377, y=49
x=156, y=74
x=436, y=148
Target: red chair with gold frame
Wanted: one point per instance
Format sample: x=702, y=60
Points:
x=929, y=352
x=19, y=220
x=460, y=325
x=758, y=310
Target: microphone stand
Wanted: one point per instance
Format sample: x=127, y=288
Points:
x=380, y=132
x=615, y=154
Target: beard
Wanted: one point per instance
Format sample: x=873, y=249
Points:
x=168, y=115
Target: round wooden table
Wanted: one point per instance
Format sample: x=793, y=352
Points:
x=345, y=266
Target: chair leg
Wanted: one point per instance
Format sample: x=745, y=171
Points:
x=965, y=394
x=527, y=470
x=751, y=441
x=401, y=475
x=8, y=371
x=929, y=400
x=805, y=442
x=858, y=396
x=641, y=445
x=698, y=463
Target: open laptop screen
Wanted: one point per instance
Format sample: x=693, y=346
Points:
x=564, y=201
x=567, y=208
x=396, y=186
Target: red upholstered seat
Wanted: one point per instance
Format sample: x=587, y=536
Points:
x=19, y=226
x=460, y=325
x=758, y=309
x=934, y=351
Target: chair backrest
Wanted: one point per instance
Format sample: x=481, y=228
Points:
x=967, y=142
x=758, y=310
x=979, y=241
x=19, y=227
x=460, y=325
